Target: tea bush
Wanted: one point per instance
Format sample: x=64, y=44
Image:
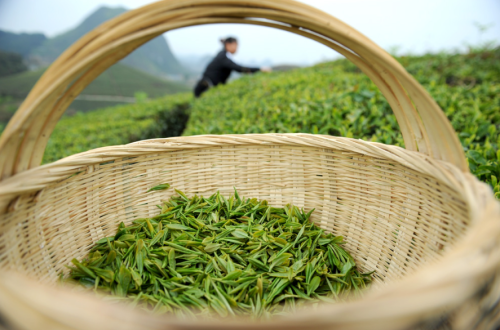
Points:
x=336, y=98
x=163, y=117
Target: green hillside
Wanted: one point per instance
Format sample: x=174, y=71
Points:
x=155, y=57
x=19, y=85
x=331, y=98
x=51, y=48
x=119, y=80
x=118, y=125
x=20, y=43
x=336, y=98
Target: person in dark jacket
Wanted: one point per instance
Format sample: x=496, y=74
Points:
x=221, y=66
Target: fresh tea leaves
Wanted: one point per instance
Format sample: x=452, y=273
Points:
x=236, y=256
x=162, y=186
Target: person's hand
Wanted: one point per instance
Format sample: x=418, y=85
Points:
x=266, y=69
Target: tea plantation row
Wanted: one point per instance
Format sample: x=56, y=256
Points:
x=163, y=117
x=331, y=98
x=336, y=98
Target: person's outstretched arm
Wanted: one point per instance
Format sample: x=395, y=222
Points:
x=227, y=63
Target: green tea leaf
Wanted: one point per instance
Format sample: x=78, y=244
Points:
x=212, y=247
x=477, y=157
x=83, y=268
x=123, y=278
x=311, y=287
x=175, y=226
x=232, y=275
x=162, y=186
x=239, y=233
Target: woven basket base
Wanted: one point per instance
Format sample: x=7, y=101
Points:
x=398, y=210
x=393, y=218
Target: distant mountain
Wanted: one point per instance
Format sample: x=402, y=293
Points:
x=155, y=57
x=117, y=85
x=55, y=46
x=118, y=80
x=20, y=43
x=195, y=63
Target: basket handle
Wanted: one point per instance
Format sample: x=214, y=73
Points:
x=423, y=125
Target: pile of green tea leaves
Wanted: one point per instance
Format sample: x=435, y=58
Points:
x=231, y=256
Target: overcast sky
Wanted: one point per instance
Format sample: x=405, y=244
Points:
x=414, y=26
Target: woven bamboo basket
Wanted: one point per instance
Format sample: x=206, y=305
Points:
x=415, y=215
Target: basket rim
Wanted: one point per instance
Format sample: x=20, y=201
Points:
x=451, y=287
x=38, y=178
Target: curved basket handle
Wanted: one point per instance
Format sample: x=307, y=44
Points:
x=423, y=125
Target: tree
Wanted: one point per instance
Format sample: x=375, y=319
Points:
x=11, y=63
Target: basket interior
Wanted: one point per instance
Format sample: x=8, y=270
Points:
x=393, y=218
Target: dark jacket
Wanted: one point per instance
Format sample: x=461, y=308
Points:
x=220, y=68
